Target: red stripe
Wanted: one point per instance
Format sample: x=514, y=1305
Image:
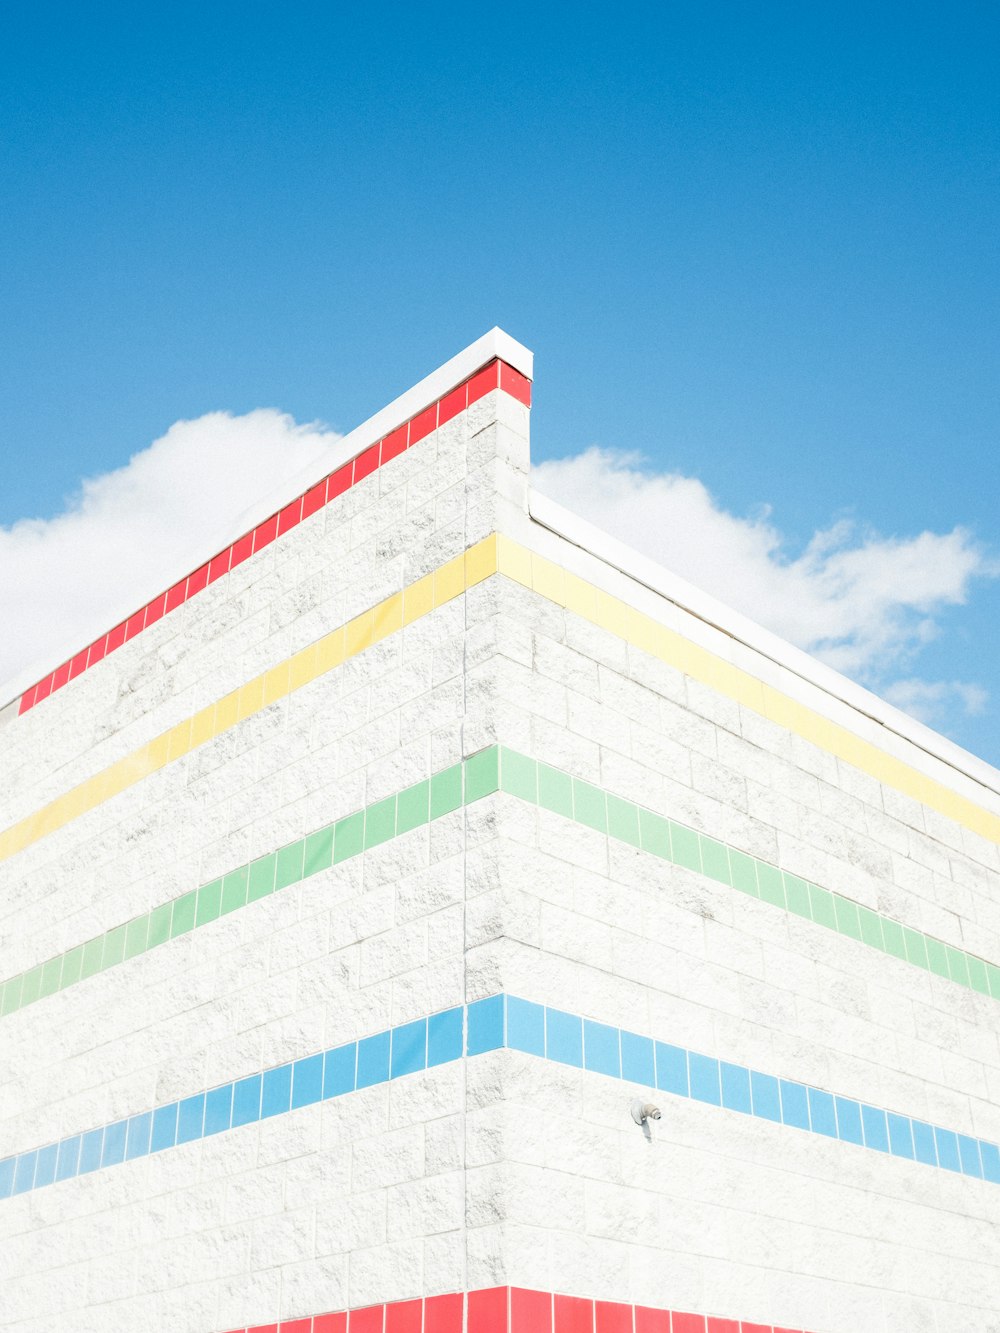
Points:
x=219, y=565
x=290, y=517
x=514, y=383
x=453, y=403
x=241, y=550
x=394, y=444
x=422, y=424
x=366, y=462
x=404, y=1317
x=197, y=581
x=496, y=375
x=314, y=499
x=265, y=533
x=483, y=381
x=79, y=662
x=155, y=610
x=116, y=637
x=511, y=1310
x=175, y=596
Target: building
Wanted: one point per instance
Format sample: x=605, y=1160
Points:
x=358, y=889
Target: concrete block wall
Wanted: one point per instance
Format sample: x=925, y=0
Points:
x=333, y=1204
x=533, y=838
x=717, y=1210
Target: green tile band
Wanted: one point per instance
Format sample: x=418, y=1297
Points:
x=627, y=822
x=541, y=785
x=446, y=791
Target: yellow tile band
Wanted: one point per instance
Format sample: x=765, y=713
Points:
x=496, y=554
x=403, y=608
x=574, y=593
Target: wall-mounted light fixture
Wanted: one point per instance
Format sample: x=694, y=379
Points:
x=643, y=1111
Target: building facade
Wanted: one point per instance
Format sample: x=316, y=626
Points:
x=359, y=891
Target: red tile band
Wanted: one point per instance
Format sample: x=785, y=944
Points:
x=511, y=1310
x=498, y=374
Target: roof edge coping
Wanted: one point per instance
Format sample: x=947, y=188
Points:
x=662, y=581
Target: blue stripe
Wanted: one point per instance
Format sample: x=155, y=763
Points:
x=495, y=1023
x=534, y=1028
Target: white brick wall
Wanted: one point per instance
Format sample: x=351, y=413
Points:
x=716, y=1212
x=502, y=1168
x=333, y=1205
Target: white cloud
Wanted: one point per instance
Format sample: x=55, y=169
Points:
x=927, y=699
x=119, y=539
x=864, y=603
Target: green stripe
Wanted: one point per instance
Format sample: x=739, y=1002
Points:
x=544, y=786
x=627, y=822
x=446, y=791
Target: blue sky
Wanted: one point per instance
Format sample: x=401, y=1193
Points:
x=755, y=244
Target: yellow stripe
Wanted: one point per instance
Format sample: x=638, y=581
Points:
x=558, y=585
x=496, y=554
x=403, y=608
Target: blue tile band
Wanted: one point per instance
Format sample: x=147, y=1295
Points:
x=408, y=1049
x=501, y=1021
x=569, y=1039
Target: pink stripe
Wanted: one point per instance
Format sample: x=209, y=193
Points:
x=511, y=1310
x=496, y=375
